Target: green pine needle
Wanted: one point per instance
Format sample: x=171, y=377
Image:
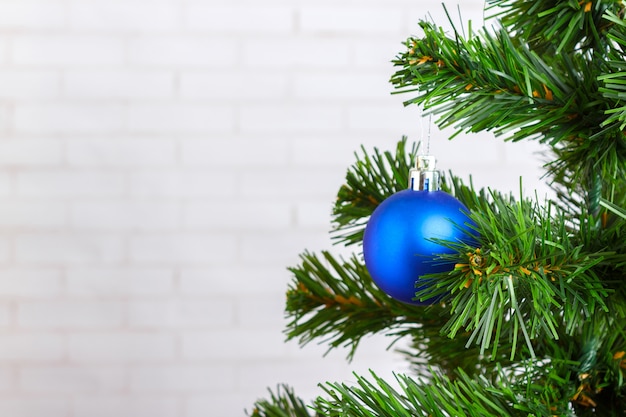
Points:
x=282, y=403
x=335, y=301
x=524, y=86
x=370, y=180
x=532, y=320
x=440, y=396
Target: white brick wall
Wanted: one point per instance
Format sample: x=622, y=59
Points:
x=161, y=163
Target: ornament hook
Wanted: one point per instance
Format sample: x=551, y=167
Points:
x=424, y=177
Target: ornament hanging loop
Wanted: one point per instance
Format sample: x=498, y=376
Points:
x=424, y=177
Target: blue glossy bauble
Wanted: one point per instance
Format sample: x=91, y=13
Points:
x=396, y=244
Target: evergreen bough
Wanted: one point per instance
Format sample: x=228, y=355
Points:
x=532, y=320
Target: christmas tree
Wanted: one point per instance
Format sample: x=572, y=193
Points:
x=528, y=315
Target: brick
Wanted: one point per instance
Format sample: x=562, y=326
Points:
x=261, y=311
x=118, y=282
x=182, y=379
x=238, y=19
x=7, y=184
x=305, y=375
x=233, y=86
x=296, y=53
x=304, y=183
x=62, y=51
x=377, y=53
x=384, y=118
x=122, y=152
x=30, y=282
x=32, y=15
x=182, y=183
x=185, y=313
x=29, y=83
x=311, y=214
x=513, y=152
x=182, y=52
x=331, y=150
x=37, y=347
x=216, y=152
x=289, y=119
x=346, y=86
x=352, y=20
x=116, y=84
x=70, y=314
x=181, y=118
x=236, y=215
x=234, y=343
x=506, y=180
x=6, y=117
x=297, y=373
x=7, y=380
x=34, y=153
x=30, y=406
x=234, y=280
x=4, y=49
x=183, y=248
x=6, y=318
x=32, y=215
x=125, y=215
x=72, y=380
x=280, y=247
x=119, y=17
x=231, y=404
x=136, y=406
x=453, y=153
x=64, y=248
x=70, y=118
x=6, y=249
x=79, y=183
x=121, y=347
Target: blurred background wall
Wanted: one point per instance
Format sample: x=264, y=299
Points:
x=161, y=163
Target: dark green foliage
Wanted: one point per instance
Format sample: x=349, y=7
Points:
x=532, y=318
x=337, y=302
x=554, y=27
x=440, y=397
x=531, y=290
x=527, y=265
x=520, y=82
x=368, y=182
x=283, y=403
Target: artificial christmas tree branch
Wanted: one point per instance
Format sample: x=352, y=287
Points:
x=441, y=397
x=530, y=318
x=335, y=302
x=282, y=403
x=526, y=263
x=484, y=82
x=498, y=82
x=556, y=26
x=368, y=182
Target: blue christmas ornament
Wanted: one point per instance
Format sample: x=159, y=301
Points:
x=396, y=244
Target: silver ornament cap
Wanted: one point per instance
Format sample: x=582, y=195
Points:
x=424, y=177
